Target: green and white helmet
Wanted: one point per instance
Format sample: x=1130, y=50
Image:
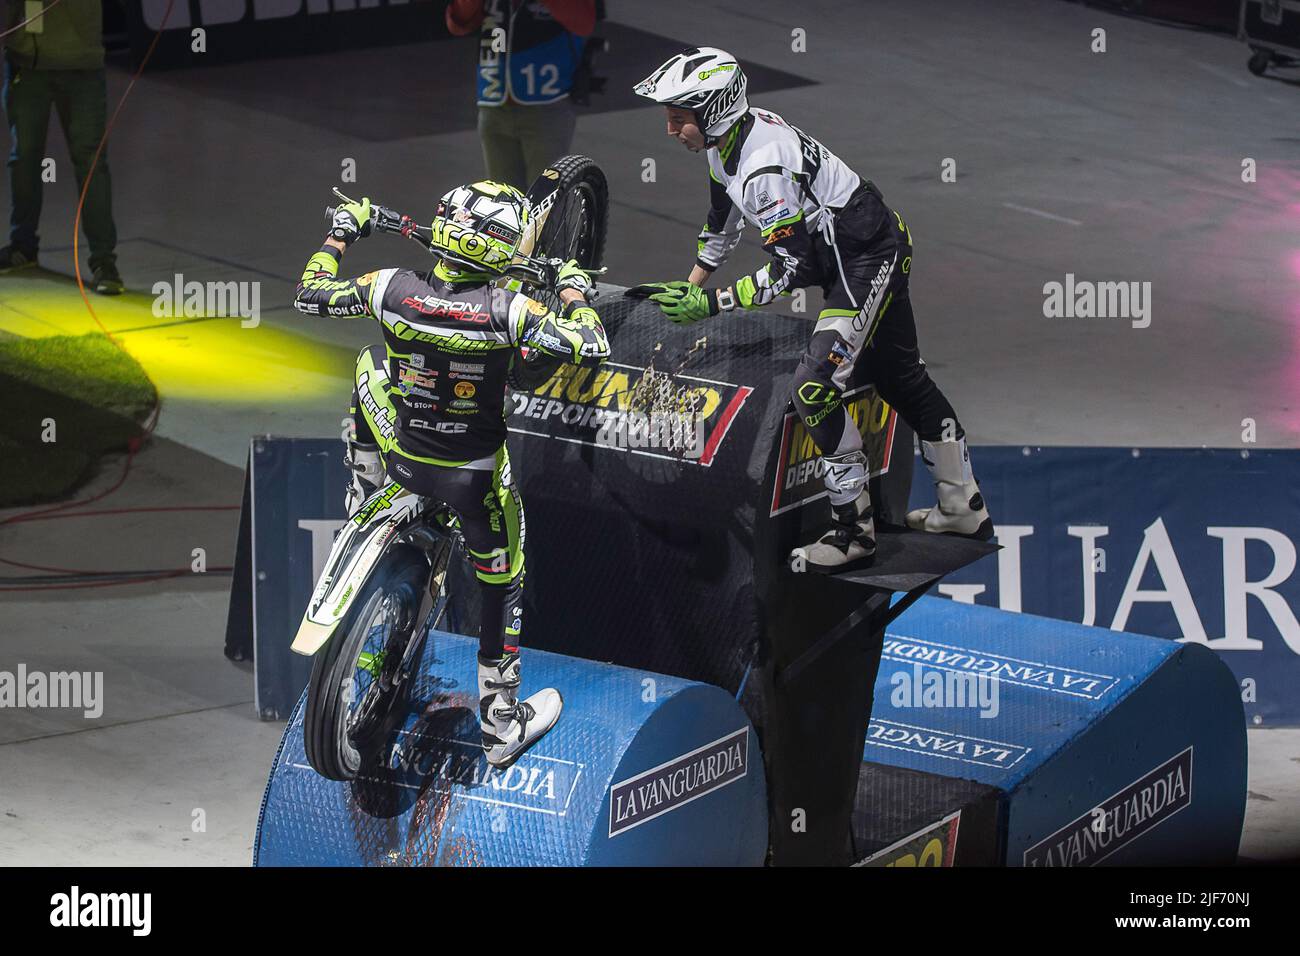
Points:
x=704, y=79
x=478, y=227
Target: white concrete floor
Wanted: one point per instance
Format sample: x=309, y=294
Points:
x=1117, y=166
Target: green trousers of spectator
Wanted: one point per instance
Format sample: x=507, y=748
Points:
x=80, y=98
x=520, y=141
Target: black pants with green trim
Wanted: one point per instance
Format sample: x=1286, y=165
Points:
x=869, y=323
x=485, y=500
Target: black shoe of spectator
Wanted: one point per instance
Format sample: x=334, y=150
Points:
x=107, y=281
x=12, y=259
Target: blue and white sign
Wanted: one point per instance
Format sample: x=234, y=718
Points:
x=1191, y=544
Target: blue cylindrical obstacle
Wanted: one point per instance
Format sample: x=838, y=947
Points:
x=642, y=769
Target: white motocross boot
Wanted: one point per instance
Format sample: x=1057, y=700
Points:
x=510, y=726
x=851, y=542
x=367, y=473
x=961, y=508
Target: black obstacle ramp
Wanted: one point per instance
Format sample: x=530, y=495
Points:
x=645, y=558
x=812, y=706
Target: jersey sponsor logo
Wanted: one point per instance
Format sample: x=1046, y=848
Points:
x=446, y=428
x=464, y=389
x=799, y=467
x=547, y=340
x=467, y=368
x=813, y=153
x=408, y=377
x=592, y=406
x=461, y=311
x=537, y=308
x=443, y=341
x=777, y=235
x=366, y=279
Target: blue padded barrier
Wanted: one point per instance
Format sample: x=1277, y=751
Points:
x=642, y=769
x=1104, y=747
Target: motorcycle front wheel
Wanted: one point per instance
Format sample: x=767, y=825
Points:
x=346, y=697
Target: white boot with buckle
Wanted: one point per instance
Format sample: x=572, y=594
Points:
x=961, y=508
x=509, y=725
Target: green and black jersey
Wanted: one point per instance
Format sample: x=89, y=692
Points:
x=450, y=339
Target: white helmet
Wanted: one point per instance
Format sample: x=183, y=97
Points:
x=704, y=79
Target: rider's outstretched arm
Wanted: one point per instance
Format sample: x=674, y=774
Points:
x=575, y=335
x=772, y=199
x=320, y=292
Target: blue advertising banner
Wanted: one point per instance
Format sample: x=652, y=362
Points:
x=1189, y=544
x=297, y=505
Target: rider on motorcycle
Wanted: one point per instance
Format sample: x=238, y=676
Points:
x=824, y=226
x=432, y=402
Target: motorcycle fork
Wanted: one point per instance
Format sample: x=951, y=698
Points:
x=428, y=541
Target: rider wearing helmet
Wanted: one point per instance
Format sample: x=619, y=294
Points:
x=824, y=226
x=432, y=402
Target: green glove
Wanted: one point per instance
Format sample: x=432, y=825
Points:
x=351, y=222
x=572, y=276
x=681, y=302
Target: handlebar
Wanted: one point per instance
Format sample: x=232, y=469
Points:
x=532, y=269
x=383, y=219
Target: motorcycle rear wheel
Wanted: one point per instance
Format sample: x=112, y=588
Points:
x=575, y=228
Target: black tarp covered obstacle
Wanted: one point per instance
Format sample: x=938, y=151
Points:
x=673, y=559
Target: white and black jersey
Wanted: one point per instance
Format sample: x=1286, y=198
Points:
x=777, y=177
